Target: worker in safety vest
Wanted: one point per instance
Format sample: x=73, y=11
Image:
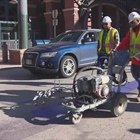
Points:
x=131, y=42
x=109, y=39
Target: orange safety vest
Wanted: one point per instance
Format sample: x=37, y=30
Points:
x=109, y=42
x=134, y=44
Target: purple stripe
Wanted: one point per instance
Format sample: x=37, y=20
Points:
x=128, y=87
x=50, y=111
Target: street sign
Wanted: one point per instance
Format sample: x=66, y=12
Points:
x=55, y=13
x=55, y=22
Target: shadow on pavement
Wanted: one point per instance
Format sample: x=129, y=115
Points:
x=135, y=131
x=51, y=112
x=22, y=74
x=16, y=96
x=133, y=107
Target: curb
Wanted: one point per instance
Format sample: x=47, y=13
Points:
x=9, y=66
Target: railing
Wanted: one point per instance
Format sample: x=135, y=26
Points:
x=12, y=44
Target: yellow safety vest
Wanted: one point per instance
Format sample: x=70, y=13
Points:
x=134, y=44
x=109, y=42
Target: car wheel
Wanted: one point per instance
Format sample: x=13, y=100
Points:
x=68, y=66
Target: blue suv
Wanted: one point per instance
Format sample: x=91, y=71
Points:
x=65, y=54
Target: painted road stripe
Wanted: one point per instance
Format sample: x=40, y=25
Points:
x=50, y=111
x=128, y=87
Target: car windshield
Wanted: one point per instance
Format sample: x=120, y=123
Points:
x=67, y=37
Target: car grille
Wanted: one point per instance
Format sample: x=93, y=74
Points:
x=30, y=59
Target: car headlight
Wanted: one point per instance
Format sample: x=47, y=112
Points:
x=48, y=54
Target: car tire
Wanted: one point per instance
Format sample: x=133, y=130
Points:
x=68, y=66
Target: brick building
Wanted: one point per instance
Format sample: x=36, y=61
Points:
x=36, y=10
x=72, y=14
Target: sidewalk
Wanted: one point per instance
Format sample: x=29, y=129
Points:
x=6, y=64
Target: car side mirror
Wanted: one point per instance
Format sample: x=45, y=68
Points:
x=82, y=41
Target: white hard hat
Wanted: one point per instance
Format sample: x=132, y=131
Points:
x=106, y=19
x=132, y=16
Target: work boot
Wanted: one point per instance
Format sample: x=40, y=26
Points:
x=138, y=98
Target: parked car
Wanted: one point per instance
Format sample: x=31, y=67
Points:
x=65, y=54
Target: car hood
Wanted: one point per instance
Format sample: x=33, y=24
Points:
x=49, y=47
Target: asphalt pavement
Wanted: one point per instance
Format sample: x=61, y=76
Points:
x=21, y=120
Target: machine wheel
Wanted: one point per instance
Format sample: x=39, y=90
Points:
x=124, y=79
x=68, y=66
x=75, y=117
x=118, y=104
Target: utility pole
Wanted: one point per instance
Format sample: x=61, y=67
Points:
x=23, y=24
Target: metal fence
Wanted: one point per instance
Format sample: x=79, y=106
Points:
x=11, y=44
x=8, y=34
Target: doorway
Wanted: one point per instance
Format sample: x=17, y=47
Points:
x=8, y=34
x=118, y=16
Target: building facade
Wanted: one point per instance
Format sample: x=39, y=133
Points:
x=51, y=17
x=73, y=14
x=9, y=15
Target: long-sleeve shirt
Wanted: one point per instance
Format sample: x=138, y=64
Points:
x=125, y=44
